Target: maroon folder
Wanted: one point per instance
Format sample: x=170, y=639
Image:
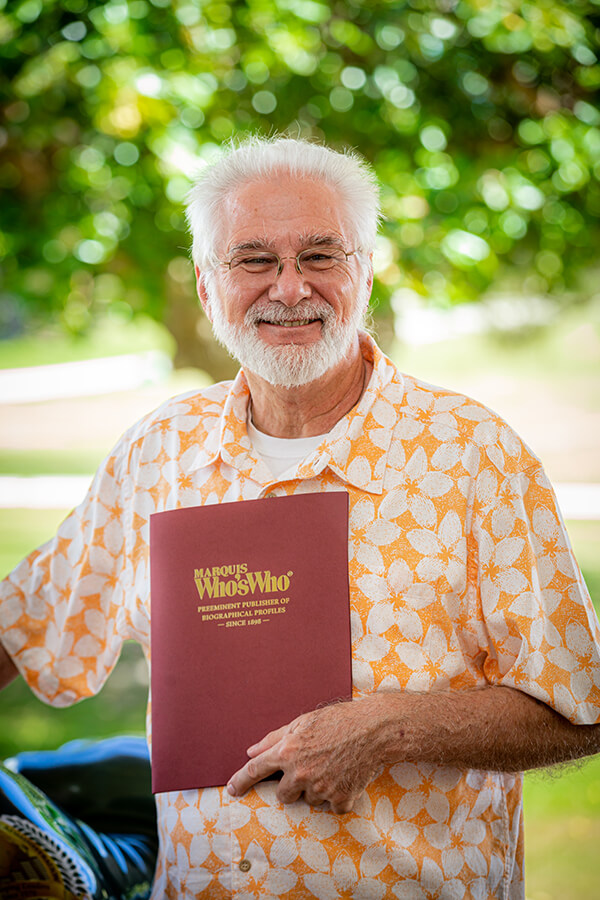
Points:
x=250, y=628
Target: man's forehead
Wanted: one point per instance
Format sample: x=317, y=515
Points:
x=296, y=210
x=302, y=239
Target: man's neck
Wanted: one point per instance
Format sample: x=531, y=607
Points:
x=309, y=409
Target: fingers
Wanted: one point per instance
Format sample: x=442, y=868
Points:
x=272, y=738
x=269, y=755
x=345, y=806
x=254, y=771
x=313, y=767
x=314, y=799
x=292, y=788
x=289, y=789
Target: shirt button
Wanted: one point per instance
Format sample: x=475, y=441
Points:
x=245, y=865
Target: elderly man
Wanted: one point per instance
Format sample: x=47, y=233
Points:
x=475, y=645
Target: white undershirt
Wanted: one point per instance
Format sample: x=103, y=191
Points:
x=281, y=455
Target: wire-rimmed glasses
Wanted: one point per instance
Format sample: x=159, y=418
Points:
x=311, y=261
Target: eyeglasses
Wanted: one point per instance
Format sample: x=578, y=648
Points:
x=308, y=262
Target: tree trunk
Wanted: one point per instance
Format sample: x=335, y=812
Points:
x=196, y=346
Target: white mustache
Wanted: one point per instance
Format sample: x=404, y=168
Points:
x=278, y=313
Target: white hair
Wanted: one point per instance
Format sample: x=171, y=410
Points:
x=258, y=159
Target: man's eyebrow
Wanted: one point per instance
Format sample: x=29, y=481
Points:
x=322, y=239
x=312, y=239
x=250, y=245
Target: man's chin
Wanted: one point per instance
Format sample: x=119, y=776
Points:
x=289, y=365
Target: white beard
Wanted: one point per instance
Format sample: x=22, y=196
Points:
x=288, y=365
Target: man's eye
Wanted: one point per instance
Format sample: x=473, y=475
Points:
x=254, y=263
x=321, y=259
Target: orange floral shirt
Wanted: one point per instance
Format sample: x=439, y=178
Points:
x=461, y=575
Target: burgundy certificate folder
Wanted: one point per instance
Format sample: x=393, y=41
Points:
x=250, y=628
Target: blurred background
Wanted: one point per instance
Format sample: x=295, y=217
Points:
x=482, y=120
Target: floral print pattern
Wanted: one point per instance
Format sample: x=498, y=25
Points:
x=461, y=575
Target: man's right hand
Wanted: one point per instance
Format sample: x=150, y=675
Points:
x=330, y=754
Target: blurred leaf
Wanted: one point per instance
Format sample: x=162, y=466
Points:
x=482, y=121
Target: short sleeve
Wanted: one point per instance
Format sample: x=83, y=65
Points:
x=62, y=609
x=541, y=632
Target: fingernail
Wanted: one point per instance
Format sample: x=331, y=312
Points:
x=250, y=749
x=231, y=790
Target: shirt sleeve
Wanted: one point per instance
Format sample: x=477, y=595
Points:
x=63, y=616
x=541, y=632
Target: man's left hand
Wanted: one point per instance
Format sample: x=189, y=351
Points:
x=324, y=755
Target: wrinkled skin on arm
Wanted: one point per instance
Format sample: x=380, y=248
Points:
x=331, y=754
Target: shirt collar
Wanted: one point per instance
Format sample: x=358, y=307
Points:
x=355, y=449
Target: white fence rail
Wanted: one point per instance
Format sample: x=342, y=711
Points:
x=577, y=501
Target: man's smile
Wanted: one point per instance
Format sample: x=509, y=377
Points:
x=304, y=329
x=289, y=323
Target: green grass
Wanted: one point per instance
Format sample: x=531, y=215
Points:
x=562, y=832
x=50, y=462
x=28, y=724
x=568, y=349
x=22, y=530
x=585, y=538
x=109, y=337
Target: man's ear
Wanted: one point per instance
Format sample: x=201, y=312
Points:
x=370, y=275
x=202, y=292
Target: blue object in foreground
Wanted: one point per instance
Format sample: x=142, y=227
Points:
x=78, y=822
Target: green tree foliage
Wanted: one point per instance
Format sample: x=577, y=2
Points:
x=480, y=116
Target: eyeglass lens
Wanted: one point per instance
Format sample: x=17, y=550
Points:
x=312, y=260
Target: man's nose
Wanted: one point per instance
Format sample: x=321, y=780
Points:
x=290, y=286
